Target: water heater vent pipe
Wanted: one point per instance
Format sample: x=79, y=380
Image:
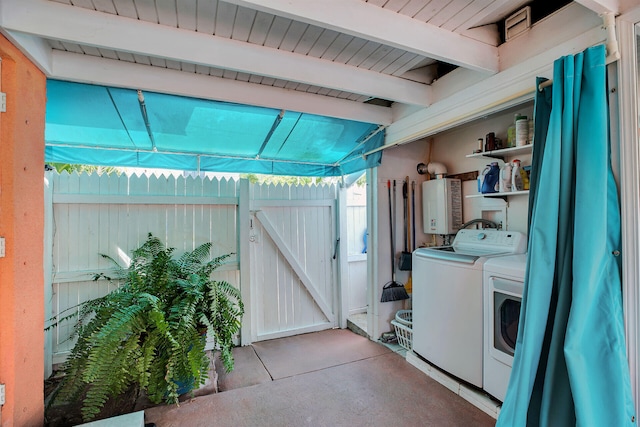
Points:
x=437, y=169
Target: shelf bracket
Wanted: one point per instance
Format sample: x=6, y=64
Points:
x=465, y=176
x=493, y=156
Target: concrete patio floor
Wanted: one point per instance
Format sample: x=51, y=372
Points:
x=329, y=378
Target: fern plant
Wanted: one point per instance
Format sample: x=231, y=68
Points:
x=148, y=333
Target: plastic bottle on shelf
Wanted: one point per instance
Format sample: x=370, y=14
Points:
x=526, y=174
x=525, y=178
x=522, y=130
x=511, y=131
x=511, y=136
x=490, y=181
x=490, y=142
x=505, y=178
x=481, y=176
x=516, y=177
x=530, y=133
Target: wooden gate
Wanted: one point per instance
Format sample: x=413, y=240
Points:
x=294, y=263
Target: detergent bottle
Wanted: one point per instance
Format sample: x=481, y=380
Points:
x=505, y=178
x=481, y=176
x=490, y=181
x=516, y=177
x=525, y=178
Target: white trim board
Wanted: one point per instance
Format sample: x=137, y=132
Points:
x=477, y=398
x=630, y=190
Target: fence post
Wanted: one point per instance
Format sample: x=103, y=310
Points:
x=48, y=271
x=342, y=255
x=373, y=329
x=247, y=331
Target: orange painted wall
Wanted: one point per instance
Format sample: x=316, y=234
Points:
x=22, y=226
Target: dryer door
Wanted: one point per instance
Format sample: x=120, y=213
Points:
x=506, y=315
x=505, y=300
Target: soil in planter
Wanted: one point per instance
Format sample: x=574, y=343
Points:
x=65, y=414
x=69, y=413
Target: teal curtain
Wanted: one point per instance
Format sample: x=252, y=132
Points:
x=570, y=366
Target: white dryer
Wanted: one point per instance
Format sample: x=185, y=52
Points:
x=448, y=302
x=503, y=280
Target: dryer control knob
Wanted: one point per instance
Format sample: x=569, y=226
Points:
x=482, y=236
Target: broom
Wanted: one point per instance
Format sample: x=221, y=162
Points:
x=392, y=291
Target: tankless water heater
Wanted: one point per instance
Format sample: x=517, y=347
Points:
x=442, y=206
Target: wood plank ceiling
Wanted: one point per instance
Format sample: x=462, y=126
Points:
x=335, y=57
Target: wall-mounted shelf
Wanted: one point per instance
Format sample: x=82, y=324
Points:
x=506, y=194
x=504, y=152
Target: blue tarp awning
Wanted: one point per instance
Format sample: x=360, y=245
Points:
x=108, y=126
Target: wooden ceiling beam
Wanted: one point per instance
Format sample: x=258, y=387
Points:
x=360, y=19
x=57, y=21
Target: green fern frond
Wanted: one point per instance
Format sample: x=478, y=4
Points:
x=148, y=332
x=191, y=262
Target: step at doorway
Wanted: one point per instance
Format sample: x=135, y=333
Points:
x=358, y=324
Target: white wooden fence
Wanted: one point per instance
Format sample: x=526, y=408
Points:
x=108, y=214
x=285, y=236
x=357, y=281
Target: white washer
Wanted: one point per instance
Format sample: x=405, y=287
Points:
x=447, y=299
x=503, y=285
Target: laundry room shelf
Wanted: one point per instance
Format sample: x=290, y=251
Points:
x=507, y=194
x=504, y=152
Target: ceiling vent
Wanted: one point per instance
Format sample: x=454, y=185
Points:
x=517, y=23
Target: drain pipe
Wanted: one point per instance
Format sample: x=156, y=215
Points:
x=609, y=24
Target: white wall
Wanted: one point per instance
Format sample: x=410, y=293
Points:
x=397, y=163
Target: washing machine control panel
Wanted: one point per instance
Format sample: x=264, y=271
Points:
x=490, y=241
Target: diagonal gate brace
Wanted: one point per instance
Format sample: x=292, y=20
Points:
x=295, y=265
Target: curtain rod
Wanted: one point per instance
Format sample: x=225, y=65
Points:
x=613, y=54
x=610, y=59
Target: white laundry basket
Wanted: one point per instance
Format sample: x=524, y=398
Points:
x=403, y=326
